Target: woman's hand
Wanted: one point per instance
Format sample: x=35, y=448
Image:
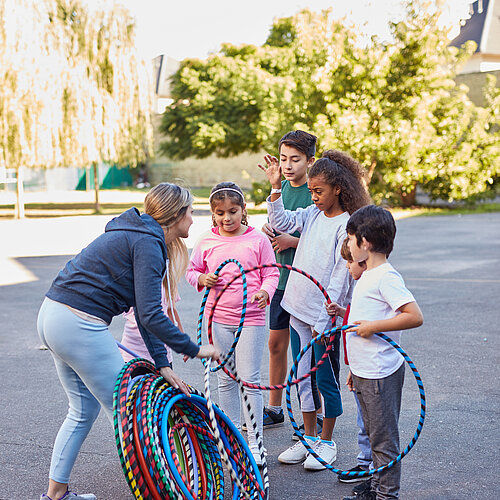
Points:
x=272, y=170
x=209, y=351
x=174, y=380
x=261, y=297
x=208, y=280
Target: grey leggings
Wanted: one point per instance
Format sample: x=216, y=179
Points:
x=380, y=401
x=248, y=358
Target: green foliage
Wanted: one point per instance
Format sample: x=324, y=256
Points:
x=260, y=191
x=393, y=106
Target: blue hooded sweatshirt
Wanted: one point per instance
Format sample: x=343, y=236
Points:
x=124, y=268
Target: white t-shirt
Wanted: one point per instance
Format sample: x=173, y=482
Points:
x=378, y=294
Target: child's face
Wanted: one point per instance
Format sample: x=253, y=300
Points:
x=356, y=269
x=294, y=165
x=228, y=216
x=359, y=253
x=324, y=196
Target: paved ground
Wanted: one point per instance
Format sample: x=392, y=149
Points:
x=452, y=264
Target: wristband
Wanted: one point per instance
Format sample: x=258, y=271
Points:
x=275, y=191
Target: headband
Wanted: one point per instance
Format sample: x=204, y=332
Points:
x=226, y=189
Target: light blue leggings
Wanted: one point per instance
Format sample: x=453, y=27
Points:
x=87, y=361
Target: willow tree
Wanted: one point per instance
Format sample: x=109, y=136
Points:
x=107, y=97
x=29, y=69
x=73, y=90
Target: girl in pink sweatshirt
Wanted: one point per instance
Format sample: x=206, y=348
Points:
x=232, y=238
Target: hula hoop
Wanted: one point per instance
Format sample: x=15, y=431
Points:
x=331, y=333
x=172, y=446
x=155, y=425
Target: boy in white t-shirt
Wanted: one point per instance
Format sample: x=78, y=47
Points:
x=380, y=303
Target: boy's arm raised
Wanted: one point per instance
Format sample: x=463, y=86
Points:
x=273, y=173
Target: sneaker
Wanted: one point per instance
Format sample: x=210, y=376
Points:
x=344, y=478
x=69, y=495
x=296, y=454
x=270, y=418
x=327, y=451
x=256, y=454
x=365, y=495
x=319, y=429
x=362, y=487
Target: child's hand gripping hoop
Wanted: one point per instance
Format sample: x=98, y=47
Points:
x=328, y=335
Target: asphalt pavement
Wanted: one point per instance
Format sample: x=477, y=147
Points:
x=450, y=263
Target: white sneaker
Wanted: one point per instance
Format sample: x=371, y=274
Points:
x=296, y=453
x=328, y=452
x=256, y=455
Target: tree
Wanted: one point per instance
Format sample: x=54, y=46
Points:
x=29, y=62
x=73, y=91
x=107, y=96
x=394, y=106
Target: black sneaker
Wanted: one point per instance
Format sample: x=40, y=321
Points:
x=319, y=428
x=362, y=487
x=344, y=478
x=270, y=419
x=367, y=494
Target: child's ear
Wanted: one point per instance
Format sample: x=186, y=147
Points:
x=366, y=245
x=311, y=161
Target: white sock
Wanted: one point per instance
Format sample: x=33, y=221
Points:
x=275, y=409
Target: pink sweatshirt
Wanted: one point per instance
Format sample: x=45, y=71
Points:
x=132, y=338
x=250, y=249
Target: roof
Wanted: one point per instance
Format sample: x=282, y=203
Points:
x=163, y=69
x=483, y=27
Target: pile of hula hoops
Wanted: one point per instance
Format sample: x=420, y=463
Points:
x=172, y=446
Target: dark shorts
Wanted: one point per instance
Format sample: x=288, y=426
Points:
x=279, y=319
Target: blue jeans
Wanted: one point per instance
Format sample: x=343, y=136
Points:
x=88, y=362
x=326, y=375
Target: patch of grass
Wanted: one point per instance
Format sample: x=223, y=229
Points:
x=38, y=210
x=201, y=192
x=458, y=210
x=256, y=211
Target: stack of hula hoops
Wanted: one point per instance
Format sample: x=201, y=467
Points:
x=172, y=446
x=166, y=443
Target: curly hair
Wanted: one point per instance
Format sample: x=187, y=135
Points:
x=339, y=169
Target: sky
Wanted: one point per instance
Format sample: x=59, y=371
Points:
x=195, y=28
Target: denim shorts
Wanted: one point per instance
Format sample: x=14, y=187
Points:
x=279, y=319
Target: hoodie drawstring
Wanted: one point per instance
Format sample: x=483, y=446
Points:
x=167, y=262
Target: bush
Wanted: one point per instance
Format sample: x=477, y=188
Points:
x=260, y=191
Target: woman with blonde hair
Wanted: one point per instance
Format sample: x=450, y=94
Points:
x=122, y=268
x=176, y=265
